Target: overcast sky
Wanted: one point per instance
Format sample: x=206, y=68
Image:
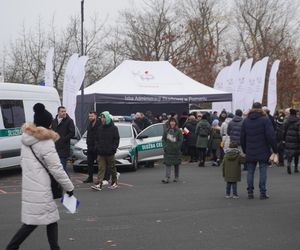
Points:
x=15, y=13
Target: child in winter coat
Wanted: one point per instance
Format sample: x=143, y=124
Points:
x=231, y=166
x=215, y=142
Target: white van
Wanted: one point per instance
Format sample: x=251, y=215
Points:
x=16, y=108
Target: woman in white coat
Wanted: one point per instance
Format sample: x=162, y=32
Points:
x=38, y=205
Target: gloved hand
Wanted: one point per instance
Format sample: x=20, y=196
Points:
x=70, y=193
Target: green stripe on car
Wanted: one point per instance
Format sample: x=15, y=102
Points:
x=146, y=147
x=10, y=132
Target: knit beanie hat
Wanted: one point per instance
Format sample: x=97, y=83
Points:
x=41, y=116
x=215, y=122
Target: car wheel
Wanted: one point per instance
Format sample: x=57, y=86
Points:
x=135, y=162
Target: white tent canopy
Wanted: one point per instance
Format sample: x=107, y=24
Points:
x=150, y=82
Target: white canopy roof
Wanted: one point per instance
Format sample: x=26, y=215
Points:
x=153, y=81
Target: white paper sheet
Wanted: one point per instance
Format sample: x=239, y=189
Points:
x=71, y=203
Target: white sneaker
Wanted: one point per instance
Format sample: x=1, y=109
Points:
x=227, y=196
x=118, y=175
x=235, y=197
x=105, y=182
x=97, y=187
x=113, y=186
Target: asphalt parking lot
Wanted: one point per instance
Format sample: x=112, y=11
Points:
x=143, y=213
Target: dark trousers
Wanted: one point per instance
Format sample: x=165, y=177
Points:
x=216, y=154
x=280, y=146
x=26, y=230
x=232, y=185
x=91, y=158
x=202, y=154
x=290, y=159
x=193, y=153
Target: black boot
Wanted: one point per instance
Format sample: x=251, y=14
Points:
x=88, y=180
x=296, y=170
x=289, y=169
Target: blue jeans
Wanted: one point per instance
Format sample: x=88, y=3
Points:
x=234, y=188
x=251, y=166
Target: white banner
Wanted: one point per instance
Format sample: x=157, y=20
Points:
x=231, y=84
x=74, y=76
x=260, y=80
x=251, y=86
x=220, y=85
x=235, y=80
x=272, y=87
x=243, y=82
x=49, y=68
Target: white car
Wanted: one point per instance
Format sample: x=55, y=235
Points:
x=145, y=147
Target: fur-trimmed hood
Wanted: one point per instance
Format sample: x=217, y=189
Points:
x=32, y=134
x=256, y=113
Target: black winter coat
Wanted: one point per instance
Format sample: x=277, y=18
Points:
x=107, y=139
x=292, y=135
x=191, y=137
x=234, y=129
x=91, y=135
x=258, y=137
x=66, y=131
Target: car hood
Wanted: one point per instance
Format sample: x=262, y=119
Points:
x=123, y=143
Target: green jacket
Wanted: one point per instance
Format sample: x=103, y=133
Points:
x=172, y=141
x=231, y=165
x=202, y=132
x=215, y=138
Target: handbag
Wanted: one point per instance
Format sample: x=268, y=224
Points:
x=57, y=190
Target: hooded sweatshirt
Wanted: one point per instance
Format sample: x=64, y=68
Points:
x=107, y=139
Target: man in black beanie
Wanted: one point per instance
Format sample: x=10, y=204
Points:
x=257, y=140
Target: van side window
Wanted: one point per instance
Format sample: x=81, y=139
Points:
x=12, y=113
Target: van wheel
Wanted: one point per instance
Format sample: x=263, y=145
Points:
x=149, y=164
x=135, y=162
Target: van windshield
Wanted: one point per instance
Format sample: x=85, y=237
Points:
x=124, y=132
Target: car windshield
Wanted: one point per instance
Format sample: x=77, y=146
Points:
x=124, y=132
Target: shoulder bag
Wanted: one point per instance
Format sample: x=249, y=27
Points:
x=57, y=190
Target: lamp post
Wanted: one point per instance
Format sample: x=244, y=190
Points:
x=82, y=85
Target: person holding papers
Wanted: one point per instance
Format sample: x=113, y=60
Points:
x=38, y=205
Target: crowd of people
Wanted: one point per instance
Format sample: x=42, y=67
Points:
x=251, y=139
x=236, y=141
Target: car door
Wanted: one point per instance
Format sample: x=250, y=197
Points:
x=149, y=144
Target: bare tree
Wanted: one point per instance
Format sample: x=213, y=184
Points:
x=26, y=58
x=150, y=34
x=204, y=25
x=270, y=28
x=264, y=26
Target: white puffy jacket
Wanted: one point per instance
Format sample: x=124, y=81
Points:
x=38, y=206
